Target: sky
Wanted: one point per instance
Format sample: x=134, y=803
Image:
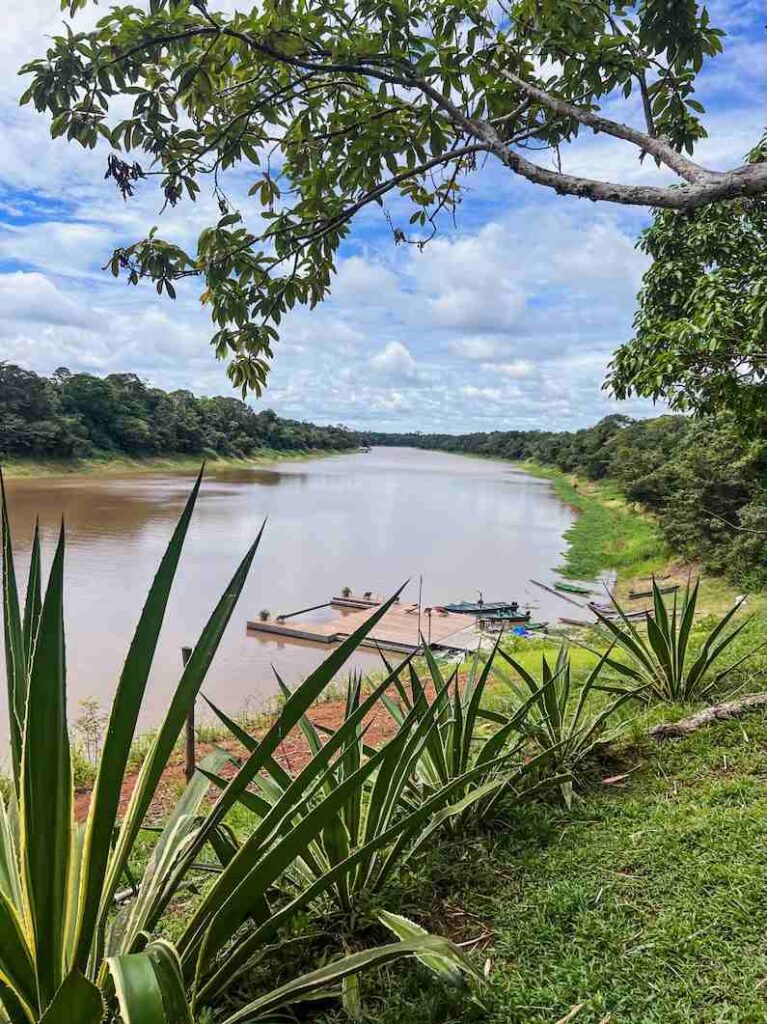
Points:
x=505, y=322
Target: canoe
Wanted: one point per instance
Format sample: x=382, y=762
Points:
x=635, y=595
x=475, y=608
x=573, y=588
x=610, y=613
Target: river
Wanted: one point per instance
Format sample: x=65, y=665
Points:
x=367, y=520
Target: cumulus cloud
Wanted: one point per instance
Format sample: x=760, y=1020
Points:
x=34, y=298
x=395, y=360
x=472, y=392
x=518, y=368
x=479, y=347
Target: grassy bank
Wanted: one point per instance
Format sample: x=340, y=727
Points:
x=645, y=904
x=608, y=533
x=120, y=464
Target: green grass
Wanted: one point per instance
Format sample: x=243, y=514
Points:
x=645, y=904
x=607, y=533
x=105, y=463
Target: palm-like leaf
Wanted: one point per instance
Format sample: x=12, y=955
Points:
x=661, y=661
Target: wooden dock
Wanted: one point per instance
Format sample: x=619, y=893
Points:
x=397, y=631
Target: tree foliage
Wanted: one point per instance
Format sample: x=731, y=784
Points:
x=331, y=107
x=76, y=415
x=700, y=332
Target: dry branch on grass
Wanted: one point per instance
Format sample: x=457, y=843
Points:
x=716, y=713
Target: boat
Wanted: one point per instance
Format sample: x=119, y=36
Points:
x=481, y=607
x=573, y=588
x=509, y=616
x=635, y=595
x=525, y=628
x=608, y=612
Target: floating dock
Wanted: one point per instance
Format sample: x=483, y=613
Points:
x=397, y=630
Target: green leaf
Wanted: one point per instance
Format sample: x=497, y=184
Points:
x=15, y=661
x=448, y=963
x=77, y=1000
x=17, y=970
x=126, y=706
x=46, y=790
x=328, y=979
x=149, y=986
x=183, y=699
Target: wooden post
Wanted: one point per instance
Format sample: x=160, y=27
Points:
x=186, y=654
x=420, y=591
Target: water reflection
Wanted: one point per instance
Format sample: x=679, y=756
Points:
x=368, y=521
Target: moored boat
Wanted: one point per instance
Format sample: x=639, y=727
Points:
x=635, y=595
x=506, y=616
x=482, y=608
x=573, y=588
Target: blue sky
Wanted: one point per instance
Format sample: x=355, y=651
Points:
x=506, y=322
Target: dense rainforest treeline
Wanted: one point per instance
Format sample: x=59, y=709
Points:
x=697, y=475
x=78, y=415
x=687, y=471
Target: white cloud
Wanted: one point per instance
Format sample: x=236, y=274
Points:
x=474, y=393
x=518, y=368
x=33, y=298
x=395, y=360
x=479, y=347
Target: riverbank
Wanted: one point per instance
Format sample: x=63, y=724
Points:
x=107, y=465
x=608, y=533
x=642, y=904
x=613, y=534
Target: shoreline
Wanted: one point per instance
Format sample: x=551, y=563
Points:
x=21, y=469
x=608, y=532
x=586, y=543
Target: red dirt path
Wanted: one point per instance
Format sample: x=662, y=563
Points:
x=293, y=753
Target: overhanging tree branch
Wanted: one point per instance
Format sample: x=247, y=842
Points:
x=749, y=180
x=675, y=161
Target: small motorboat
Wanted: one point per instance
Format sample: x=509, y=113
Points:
x=482, y=608
x=505, y=616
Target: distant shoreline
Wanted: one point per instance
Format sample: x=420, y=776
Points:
x=14, y=469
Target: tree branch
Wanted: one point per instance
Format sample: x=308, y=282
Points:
x=715, y=713
x=749, y=180
x=656, y=147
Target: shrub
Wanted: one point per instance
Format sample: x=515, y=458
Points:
x=663, y=661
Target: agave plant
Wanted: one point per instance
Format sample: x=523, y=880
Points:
x=66, y=955
x=662, y=659
x=369, y=830
x=470, y=748
x=562, y=717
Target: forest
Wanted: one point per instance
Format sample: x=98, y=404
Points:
x=78, y=415
x=703, y=478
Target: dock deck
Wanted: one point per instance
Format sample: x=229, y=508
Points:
x=396, y=631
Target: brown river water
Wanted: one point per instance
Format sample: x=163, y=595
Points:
x=369, y=521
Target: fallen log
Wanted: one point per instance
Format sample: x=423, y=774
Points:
x=716, y=713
